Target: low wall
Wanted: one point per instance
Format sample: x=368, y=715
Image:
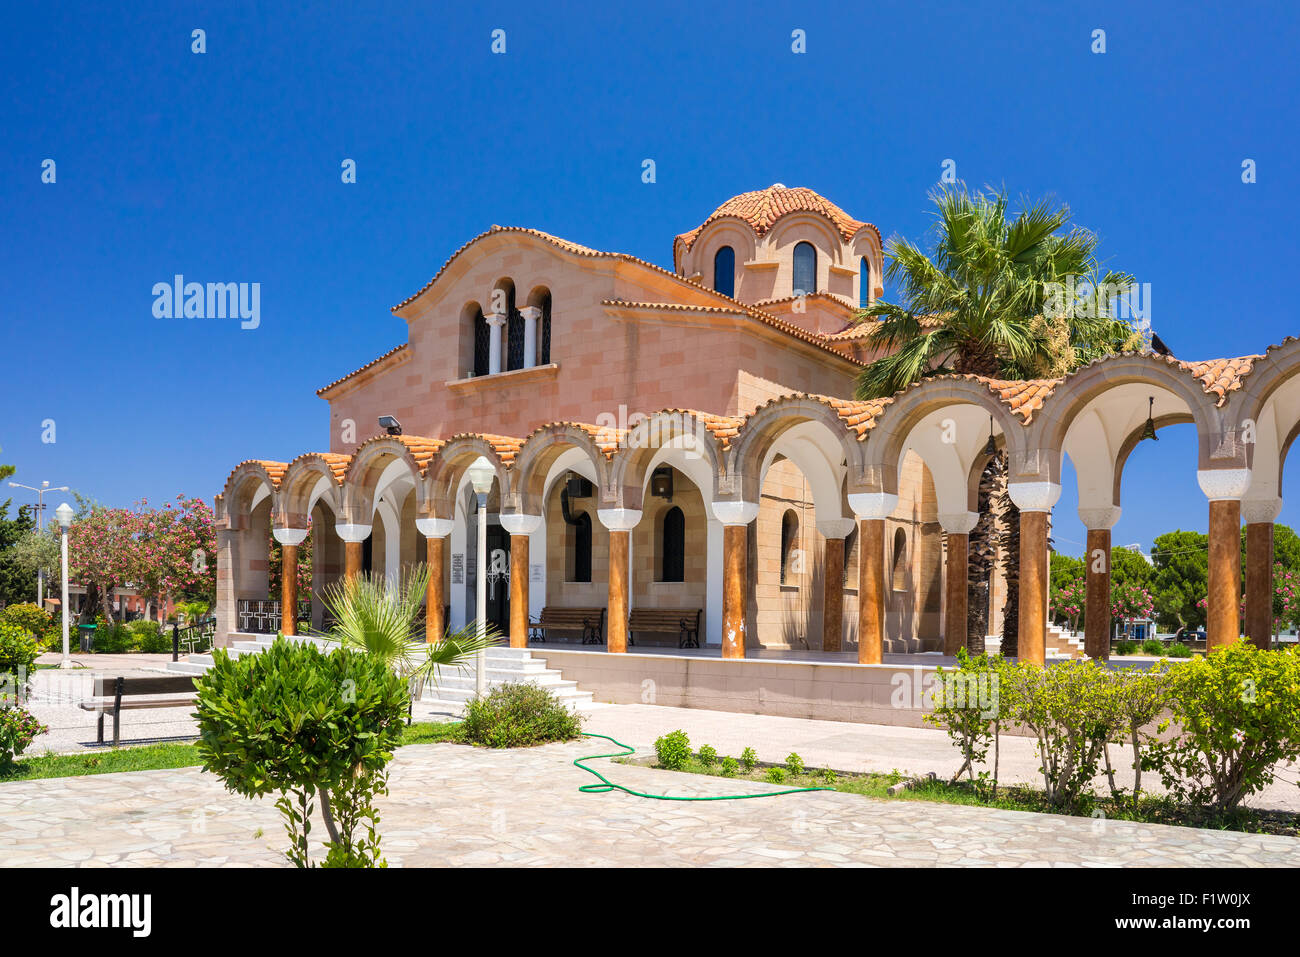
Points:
x=872, y=694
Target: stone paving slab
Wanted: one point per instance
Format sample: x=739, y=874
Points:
x=452, y=805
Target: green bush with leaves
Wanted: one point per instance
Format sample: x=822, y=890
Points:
x=18, y=651
x=708, y=755
x=149, y=636
x=1237, y=714
x=114, y=639
x=968, y=703
x=794, y=763
x=30, y=616
x=1125, y=647
x=673, y=750
x=518, y=715
x=1137, y=700
x=1153, y=646
x=308, y=726
x=776, y=775
x=1178, y=650
x=18, y=727
x=748, y=759
x=729, y=767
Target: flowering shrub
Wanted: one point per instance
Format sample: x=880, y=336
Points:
x=17, y=729
x=1068, y=600
x=30, y=616
x=1129, y=601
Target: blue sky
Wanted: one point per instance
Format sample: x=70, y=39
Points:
x=225, y=166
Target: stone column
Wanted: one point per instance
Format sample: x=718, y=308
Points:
x=531, y=316
x=1259, y=515
x=871, y=509
x=735, y=518
x=228, y=563
x=1224, y=488
x=957, y=526
x=1096, y=616
x=289, y=539
x=435, y=532
x=620, y=522
x=1035, y=501
x=520, y=526
x=353, y=535
x=834, y=530
x=495, y=321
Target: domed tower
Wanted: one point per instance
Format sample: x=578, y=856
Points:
x=785, y=245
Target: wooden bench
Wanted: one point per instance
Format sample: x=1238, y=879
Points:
x=682, y=622
x=110, y=692
x=589, y=621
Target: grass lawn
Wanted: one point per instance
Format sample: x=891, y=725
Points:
x=1150, y=810
x=159, y=757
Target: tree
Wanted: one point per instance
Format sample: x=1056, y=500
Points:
x=100, y=554
x=982, y=301
x=174, y=551
x=1068, y=599
x=1130, y=601
x=1181, y=580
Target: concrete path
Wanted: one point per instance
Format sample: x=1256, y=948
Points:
x=460, y=806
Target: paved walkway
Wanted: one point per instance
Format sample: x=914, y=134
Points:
x=460, y=806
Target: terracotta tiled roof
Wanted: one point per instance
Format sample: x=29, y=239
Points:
x=336, y=461
x=858, y=415
x=505, y=446
x=724, y=428
x=274, y=470
x=1221, y=376
x=862, y=330
x=1023, y=396
x=373, y=362
x=763, y=207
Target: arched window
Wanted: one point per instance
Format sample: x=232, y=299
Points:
x=724, y=271
x=805, y=269
x=864, y=283
x=579, y=550
x=900, y=561
x=482, y=343
x=789, y=544
x=544, y=343
x=673, y=565
x=514, y=332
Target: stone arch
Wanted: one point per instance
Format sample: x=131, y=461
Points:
x=639, y=452
x=910, y=408
x=1079, y=389
x=311, y=477
x=248, y=484
x=442, y=475
x=540, y=451
x=376, y=464
x=742, y=477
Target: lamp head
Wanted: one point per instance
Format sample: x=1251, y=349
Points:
x=481, y=474
x=64, y=515
x=390, y=425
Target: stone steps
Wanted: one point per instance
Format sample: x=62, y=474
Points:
x=454, y=687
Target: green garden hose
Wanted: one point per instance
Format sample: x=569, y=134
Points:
x=608, y=785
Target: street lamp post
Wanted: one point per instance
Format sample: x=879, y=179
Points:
x=64, y=514
x=40, y=513
x=480, y=476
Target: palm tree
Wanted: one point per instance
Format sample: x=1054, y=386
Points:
x=987, y=300
x=191, y=611
x=385, y=619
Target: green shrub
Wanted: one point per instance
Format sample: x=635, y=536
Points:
x=776, y=775
x=748, y=758
x=30, y=616
x=114, y=639
x=829, y=778
x=518, y=715
x=969, y=704
x=150, y=637
x=1153, y=646
x=794, y=763
x=309, y=726
x=1238, y=714
x=18, y=652
x=673, y=750
x=17, y=729
x=729, y=767
x=708, y=756
x=1178, y=650
x=1125, y=647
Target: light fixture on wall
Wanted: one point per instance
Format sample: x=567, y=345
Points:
x=1149, y=430
x=390, y=425
x=991, y=446
x=661, y=482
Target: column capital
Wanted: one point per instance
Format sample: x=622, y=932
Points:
x=735, y=513
x=616, y=519
x=289, y=536
x=1221, y=484
x=1102, y=518
x=434, y=527
x=1034, y=496
x=519, y=523
x=351, y=532
x=836, y=527
x=496, y=319
x=1257, y=511
x=958, y=523
x=531, y=312
x=873, y=505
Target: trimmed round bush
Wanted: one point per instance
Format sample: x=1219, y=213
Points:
x=30, y=616
x=673, y=750
x=708, y=755
x=518, y=715
x=18, y=649
x=17, y=729
x=730, y=766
